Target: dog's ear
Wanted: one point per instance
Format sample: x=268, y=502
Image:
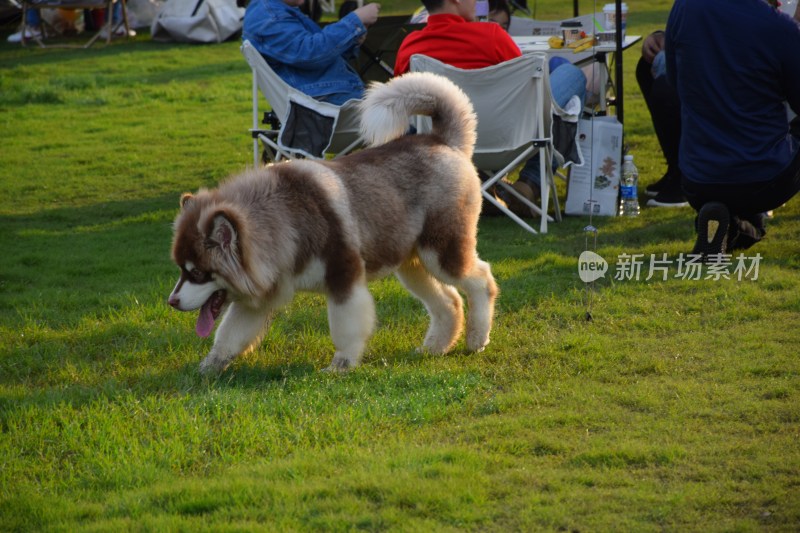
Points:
x=223, y=231
x=186, y=198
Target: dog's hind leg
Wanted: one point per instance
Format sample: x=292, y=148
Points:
x=241, y=329
x=443, y=303
x=481, y=291
x=475, y=279
x=352, y=321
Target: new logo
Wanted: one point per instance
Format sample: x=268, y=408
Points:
x=591, y=267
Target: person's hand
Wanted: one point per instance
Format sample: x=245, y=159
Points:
x=652, y=45
x=368, y=14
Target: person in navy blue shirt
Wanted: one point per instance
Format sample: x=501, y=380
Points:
x=736, y=67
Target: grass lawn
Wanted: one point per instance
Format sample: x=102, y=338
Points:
x=676, y=408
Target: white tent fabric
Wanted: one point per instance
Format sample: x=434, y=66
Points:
x=197, y=21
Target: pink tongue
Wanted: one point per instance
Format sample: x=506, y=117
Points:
x=205, y=321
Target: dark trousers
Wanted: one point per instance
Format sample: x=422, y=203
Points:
x=665, y=112
x=747, y=202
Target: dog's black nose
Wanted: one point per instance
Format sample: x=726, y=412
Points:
x=174, y=301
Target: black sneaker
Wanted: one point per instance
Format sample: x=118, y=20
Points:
x=663, y=183
x=668, y=198
x=713, y=224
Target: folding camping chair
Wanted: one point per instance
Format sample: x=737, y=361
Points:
x=106, y=29
x=300, y=126
x=514, y=108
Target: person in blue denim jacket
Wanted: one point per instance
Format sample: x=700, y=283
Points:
x=311, y=59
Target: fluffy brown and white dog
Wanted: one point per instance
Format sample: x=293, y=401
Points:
x=408, y=205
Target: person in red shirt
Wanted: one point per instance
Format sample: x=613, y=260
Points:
x=452, y=36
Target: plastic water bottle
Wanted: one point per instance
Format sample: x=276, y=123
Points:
x=629, y=194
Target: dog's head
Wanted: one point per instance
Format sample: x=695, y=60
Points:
x=206, y=248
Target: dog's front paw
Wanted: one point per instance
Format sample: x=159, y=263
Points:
x=340, y=364
x=212, y=365
x=476, y=341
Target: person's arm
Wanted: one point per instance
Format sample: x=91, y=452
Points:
x=652, y=45
x=288, y=41
x=368, y=15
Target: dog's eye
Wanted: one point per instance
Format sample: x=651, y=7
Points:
x=197, y=275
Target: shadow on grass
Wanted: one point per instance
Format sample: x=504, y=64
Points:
x=184, y=379
x=499, y=237
x=245, y=375
x=65, y=218
x=100, y=245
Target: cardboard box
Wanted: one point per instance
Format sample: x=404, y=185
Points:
x=594, y=186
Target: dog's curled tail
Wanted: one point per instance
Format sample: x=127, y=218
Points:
x=387, y=107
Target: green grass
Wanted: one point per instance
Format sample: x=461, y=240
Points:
x=677, y=408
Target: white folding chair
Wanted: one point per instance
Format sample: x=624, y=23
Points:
x=514, y=108
x=300, y=126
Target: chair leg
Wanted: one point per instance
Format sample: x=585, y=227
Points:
x=255, y=153
x=42, y=27
x=273, y=152
x=548, y=187
x=508, y=212
x=552, y=186
x=124, y=23
x=544, y=185
x=107, y=26
x=125, y=20
x=350, y=147
x=535, y=209
x=556, y=204
x=495, y=179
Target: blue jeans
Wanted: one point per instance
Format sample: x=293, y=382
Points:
x=566, y=81
x=341, y=98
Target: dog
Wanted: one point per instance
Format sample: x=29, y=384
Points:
x=405, y=204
